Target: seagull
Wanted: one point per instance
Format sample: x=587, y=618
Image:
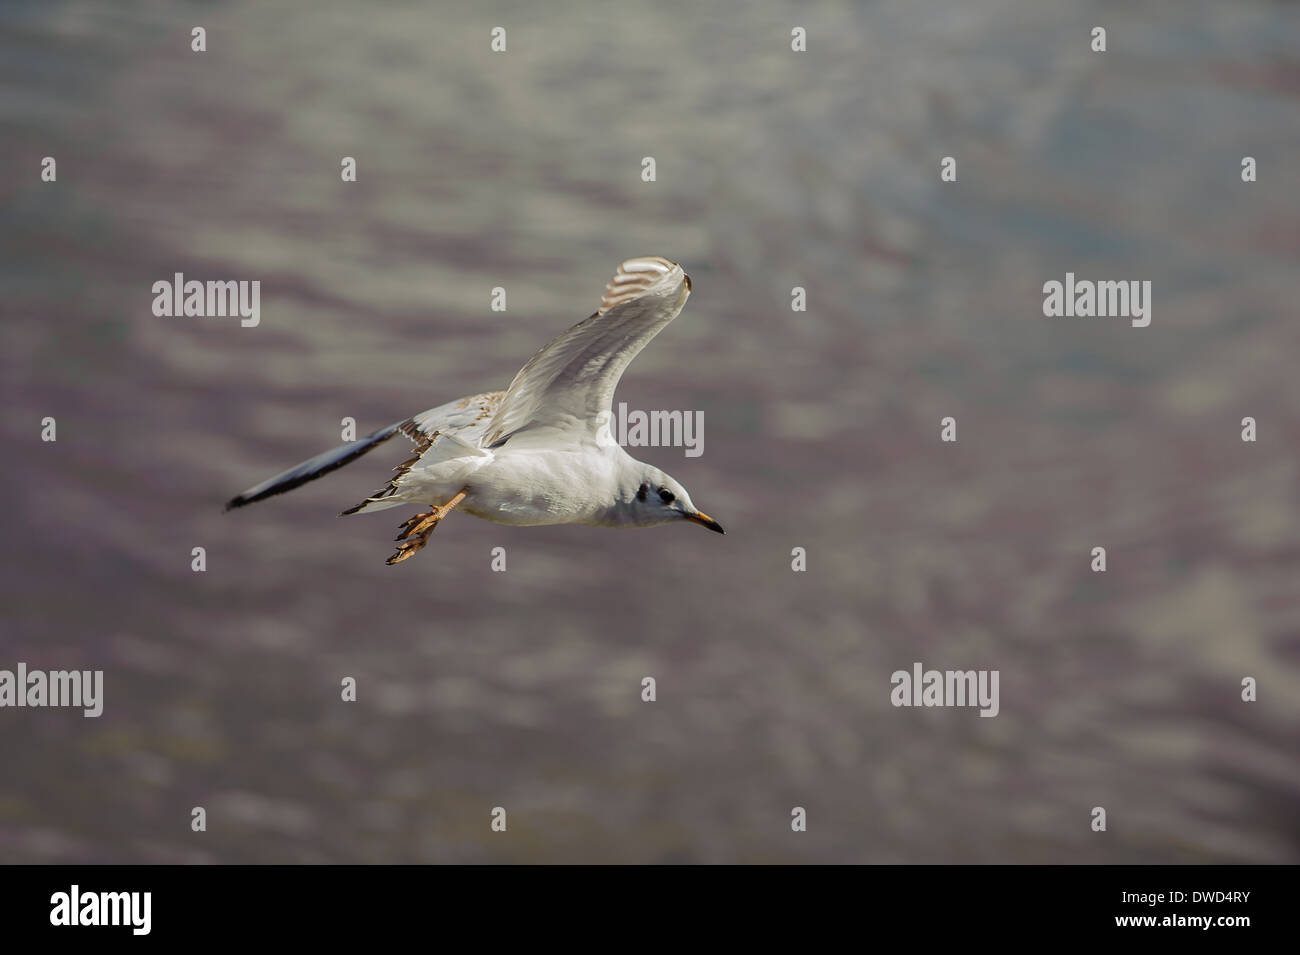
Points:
x=540, y=452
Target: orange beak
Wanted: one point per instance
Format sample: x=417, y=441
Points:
x=699, y=517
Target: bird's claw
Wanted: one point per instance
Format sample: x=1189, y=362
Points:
x=408, y=548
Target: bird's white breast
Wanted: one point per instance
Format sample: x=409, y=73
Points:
x=530, y=486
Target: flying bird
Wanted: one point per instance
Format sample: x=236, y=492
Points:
x=540, y=452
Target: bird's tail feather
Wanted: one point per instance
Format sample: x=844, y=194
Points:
x=313, y=468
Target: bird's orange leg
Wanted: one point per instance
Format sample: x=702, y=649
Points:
x=414, y=533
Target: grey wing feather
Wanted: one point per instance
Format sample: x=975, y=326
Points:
x=568, y=385
x=462, y=421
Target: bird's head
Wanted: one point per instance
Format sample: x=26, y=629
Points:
x=651, y=497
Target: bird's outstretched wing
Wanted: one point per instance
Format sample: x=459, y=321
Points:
x=569, y=384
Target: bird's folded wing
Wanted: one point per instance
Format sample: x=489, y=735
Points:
x=568, y=385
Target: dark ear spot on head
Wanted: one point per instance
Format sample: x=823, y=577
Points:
x=642, y=491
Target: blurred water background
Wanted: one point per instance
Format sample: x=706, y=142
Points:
x=775, y=169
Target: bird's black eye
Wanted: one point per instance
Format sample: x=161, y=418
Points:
x=666, y=495
x=642, y=491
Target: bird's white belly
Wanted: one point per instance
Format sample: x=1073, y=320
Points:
x=530, y=487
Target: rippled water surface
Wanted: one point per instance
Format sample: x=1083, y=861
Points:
x=775, y=169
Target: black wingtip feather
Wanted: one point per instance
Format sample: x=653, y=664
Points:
x=310, y=470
